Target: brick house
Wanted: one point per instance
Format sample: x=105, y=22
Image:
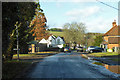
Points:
x=111, y=38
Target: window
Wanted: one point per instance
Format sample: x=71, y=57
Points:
x=58, y=41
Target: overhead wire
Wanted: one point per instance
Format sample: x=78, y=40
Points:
x=107, y=5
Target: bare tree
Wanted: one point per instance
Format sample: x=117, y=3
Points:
x=74, y=32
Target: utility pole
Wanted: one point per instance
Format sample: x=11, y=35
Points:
x=17, y=42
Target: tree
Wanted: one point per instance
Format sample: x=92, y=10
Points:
x=14, y=12
x=98, y=40
x=74, y=32
x=38, y=25
x=55, y=29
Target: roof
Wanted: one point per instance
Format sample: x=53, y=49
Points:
x=43, y=41
x=53, y=37
x=114, y=31
x=114, y=40
x=62, y=38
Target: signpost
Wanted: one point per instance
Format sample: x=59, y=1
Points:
x=17, y=41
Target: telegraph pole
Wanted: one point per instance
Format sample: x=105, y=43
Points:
x=17, y=42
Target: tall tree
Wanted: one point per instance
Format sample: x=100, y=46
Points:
x=74, y=32
x=39, y=25
x=16, y=12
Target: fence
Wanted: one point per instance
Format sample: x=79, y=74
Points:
x=41, y=47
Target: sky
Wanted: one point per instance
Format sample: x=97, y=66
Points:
x=96, y=16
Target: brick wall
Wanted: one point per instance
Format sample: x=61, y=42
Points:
x=110, y=46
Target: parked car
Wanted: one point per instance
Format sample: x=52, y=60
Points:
x=79, y=49
x=67, y=49
x=92, y=49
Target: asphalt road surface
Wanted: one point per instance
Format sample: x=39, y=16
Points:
x=66, y=65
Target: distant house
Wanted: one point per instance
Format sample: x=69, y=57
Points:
x=60, y=41
x=53, y=41
x=111, y=37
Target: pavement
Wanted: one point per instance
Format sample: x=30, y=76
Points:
x=68, y=66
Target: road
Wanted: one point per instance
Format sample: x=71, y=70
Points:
x=65, y=65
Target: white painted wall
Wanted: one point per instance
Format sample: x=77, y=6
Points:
x=59, y=40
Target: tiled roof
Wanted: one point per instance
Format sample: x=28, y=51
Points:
x=53, y=37
x=114, y=31
x=114, y=40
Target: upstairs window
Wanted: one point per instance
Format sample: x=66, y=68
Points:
x=58, y=41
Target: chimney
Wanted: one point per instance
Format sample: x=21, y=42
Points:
x=114, y=23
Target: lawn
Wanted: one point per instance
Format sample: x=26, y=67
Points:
x=10, y=69
x=23, y=55
x=103, y=54
x=34, y=54
x=56, y=33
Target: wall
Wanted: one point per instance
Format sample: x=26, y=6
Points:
x=37, y=48
x=110, y=46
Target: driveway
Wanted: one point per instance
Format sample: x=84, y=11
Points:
x=66, y=65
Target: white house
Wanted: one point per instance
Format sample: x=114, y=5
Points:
x=60, y=41
x=52, y=41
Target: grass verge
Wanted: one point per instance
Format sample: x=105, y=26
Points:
x=98, y=63
x=34, y=54
x=103, y=54
x=10, y=69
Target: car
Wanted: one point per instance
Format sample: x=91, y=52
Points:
x=67, y=49
x=92, y=49
x=79, y=49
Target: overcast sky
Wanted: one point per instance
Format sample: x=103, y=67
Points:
x=96, y=16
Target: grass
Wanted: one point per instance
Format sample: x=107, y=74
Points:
x=10, y=69
x=34, y=54
x=23, y=55
x=56, y=33
x=103, y=54
x=98, y=63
